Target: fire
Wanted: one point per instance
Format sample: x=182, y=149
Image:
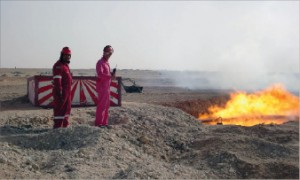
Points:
x=272, y=105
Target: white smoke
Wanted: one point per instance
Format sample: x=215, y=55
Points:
x=231, y=80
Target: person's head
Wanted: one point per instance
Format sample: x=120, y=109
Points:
x=65, y=55
x=107, y=51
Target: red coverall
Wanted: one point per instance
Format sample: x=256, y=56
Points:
x=62, y=81
x=103, y=89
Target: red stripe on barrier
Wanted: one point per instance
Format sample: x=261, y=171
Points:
x=92, y=82
x=114, y=95
x=45, y=98
x=114, y=84
x=112, y=103
x=45, y=88
x=90, y=93
x=91, y=85
x=44, y=80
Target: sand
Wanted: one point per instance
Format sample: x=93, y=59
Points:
x=149, y=138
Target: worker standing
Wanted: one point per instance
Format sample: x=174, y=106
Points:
x=104, y=77
x=62, y=81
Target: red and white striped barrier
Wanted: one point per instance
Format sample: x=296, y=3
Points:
x=83, y=91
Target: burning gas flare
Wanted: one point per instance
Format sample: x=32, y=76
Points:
x=272, y=105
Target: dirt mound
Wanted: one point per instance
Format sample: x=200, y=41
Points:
x=45, y=139
x=146, y=141
x=240, y=152
x=28, y=120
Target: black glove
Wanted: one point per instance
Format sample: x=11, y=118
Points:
x=114, y=70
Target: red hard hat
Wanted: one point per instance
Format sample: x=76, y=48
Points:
x=66, y=50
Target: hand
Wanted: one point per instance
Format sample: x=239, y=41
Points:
x=113, y=74
x=114, y=70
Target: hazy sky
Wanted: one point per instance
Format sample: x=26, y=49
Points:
x=252, y=36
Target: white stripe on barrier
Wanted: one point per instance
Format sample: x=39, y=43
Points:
x=73, y=83
x=57, y=76
x=43, y=94
x=87, y=94
x=114, y=100
x=113, y=89
x=76, y=97
x=93, y=91
x=44, y=83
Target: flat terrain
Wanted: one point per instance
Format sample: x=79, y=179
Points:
x=155, y=134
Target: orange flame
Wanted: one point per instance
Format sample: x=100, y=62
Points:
x=272, y=105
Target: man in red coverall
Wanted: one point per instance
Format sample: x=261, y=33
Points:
x=62, y=81
x=103, y=87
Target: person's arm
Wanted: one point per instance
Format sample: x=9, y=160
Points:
x=57, y=76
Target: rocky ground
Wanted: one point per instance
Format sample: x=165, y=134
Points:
x=149, y=139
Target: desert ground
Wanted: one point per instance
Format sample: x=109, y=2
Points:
x=155, y=134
